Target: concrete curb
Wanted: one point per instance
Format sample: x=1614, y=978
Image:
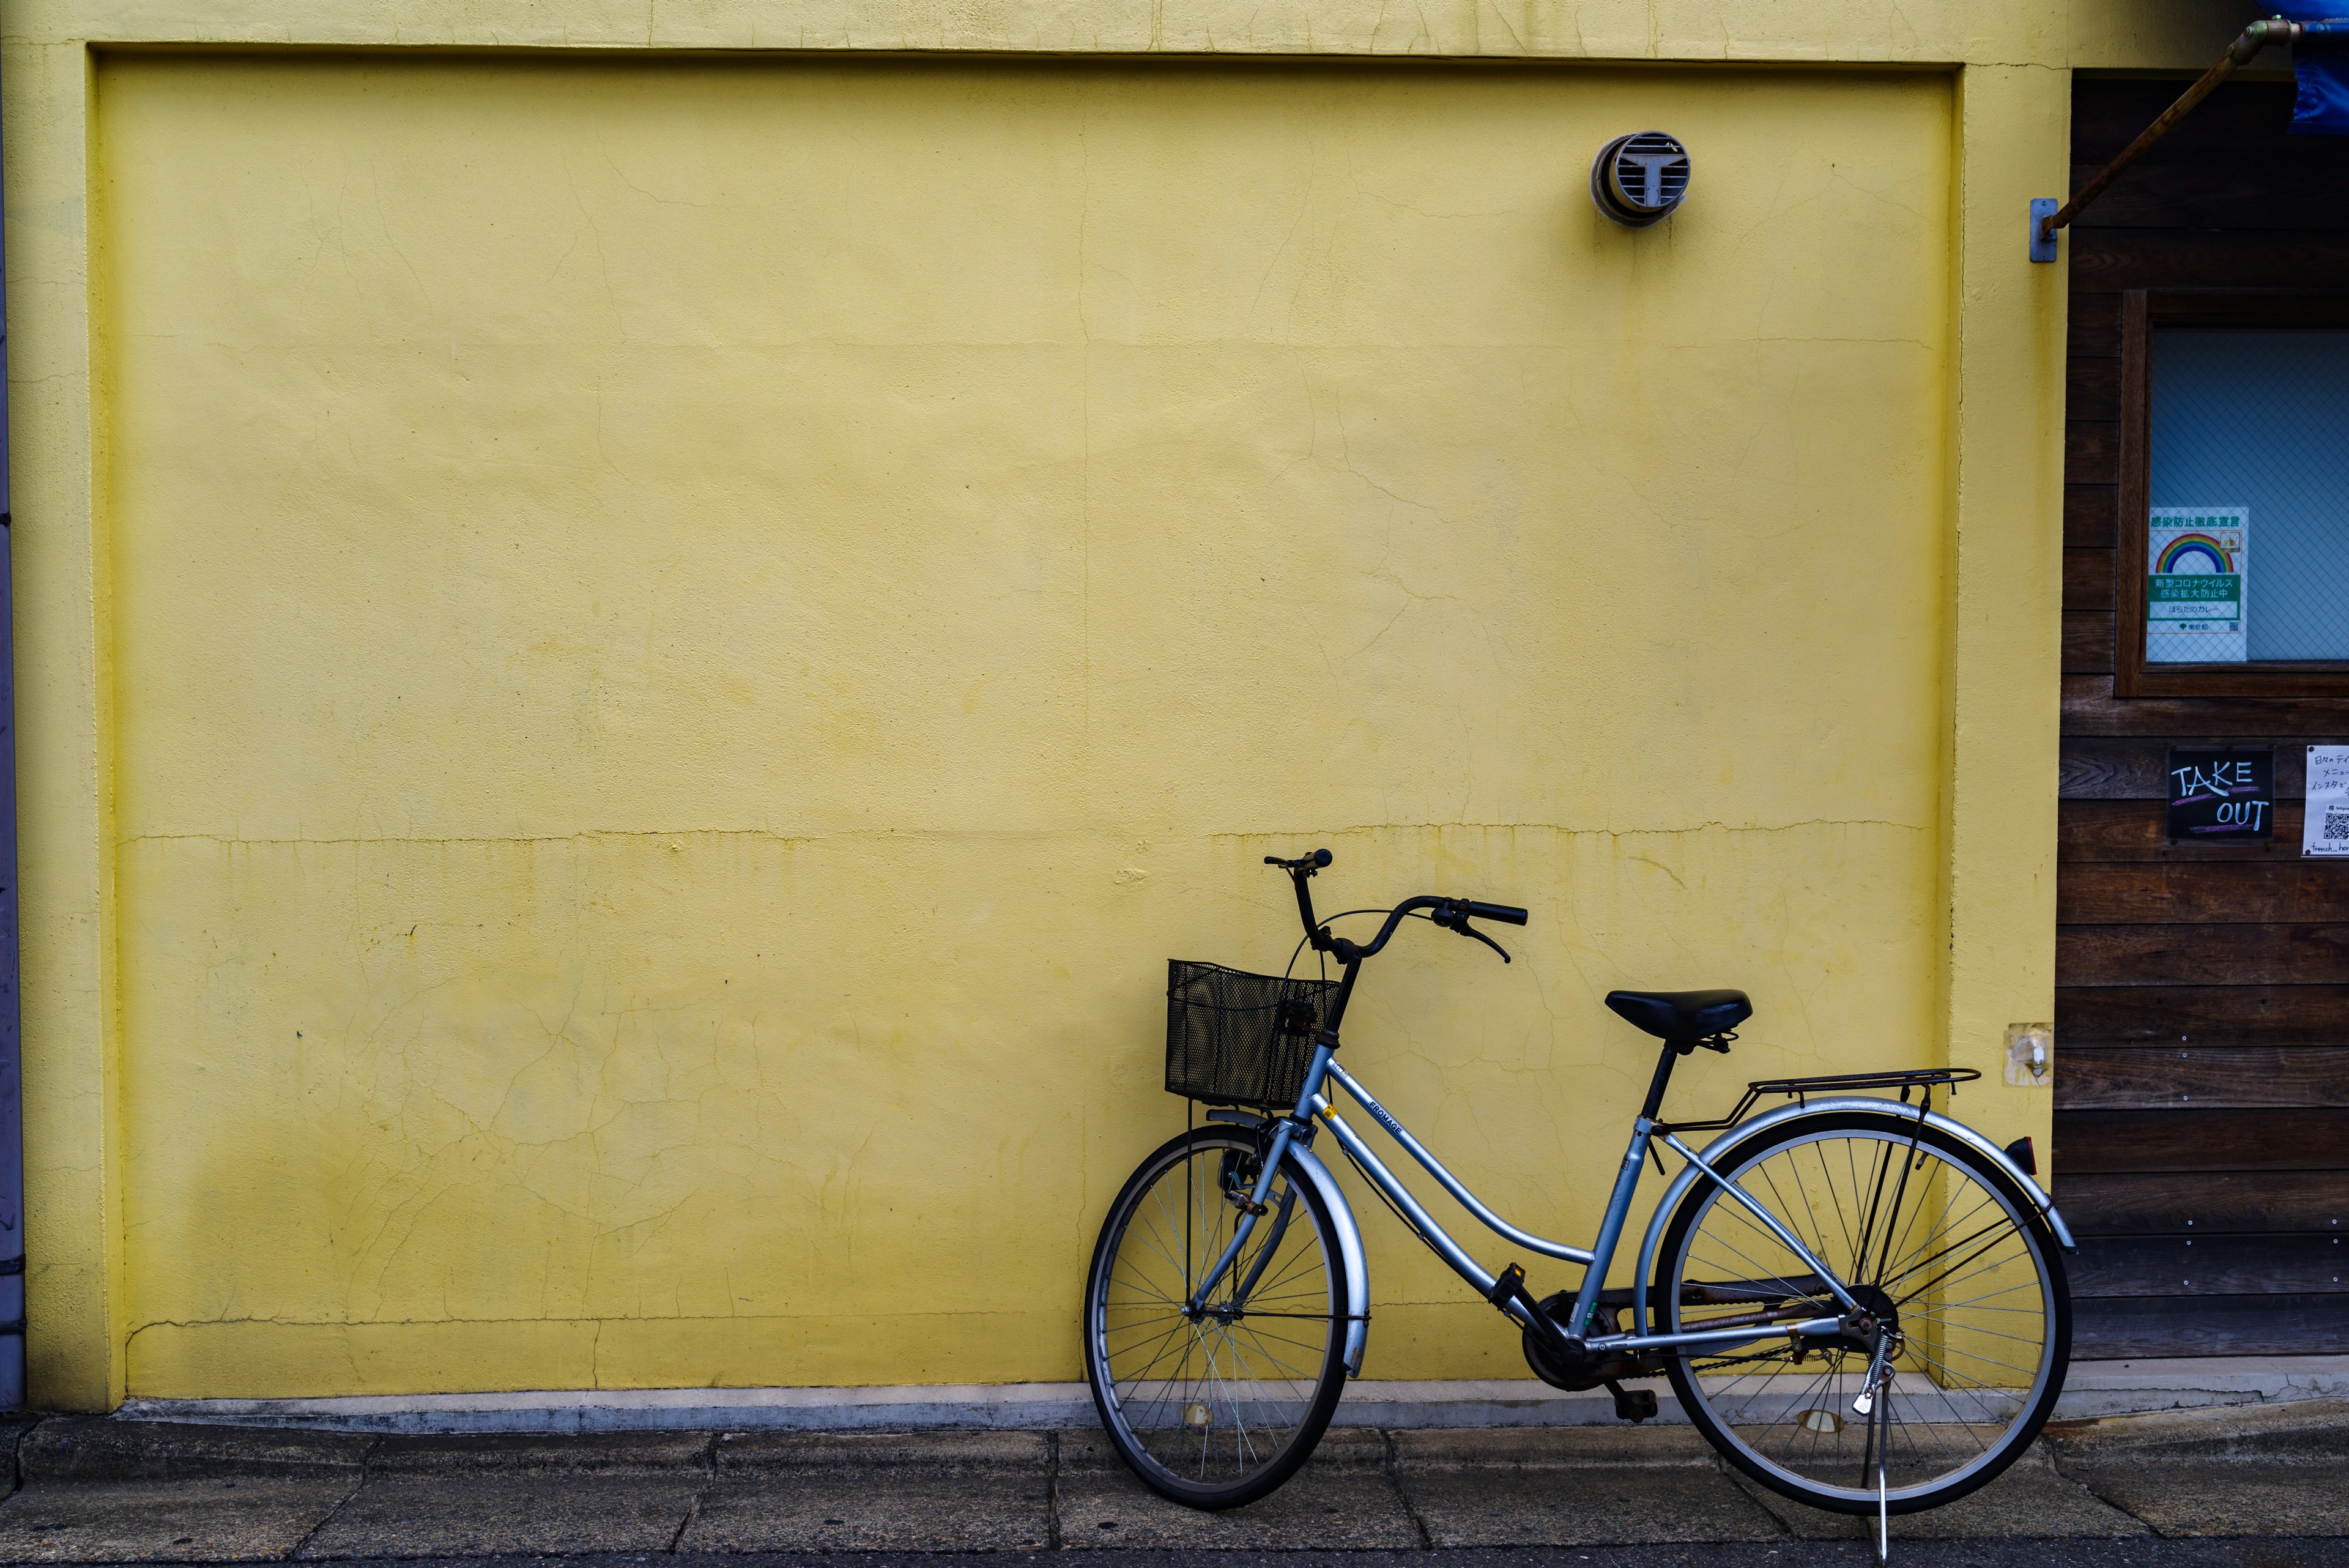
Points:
x=67, y=1449
x=2093, y=1389
x=2307, y=1431
x=1014, y=1406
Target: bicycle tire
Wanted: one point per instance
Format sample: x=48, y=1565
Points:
x=1931, y=1381
x=1133, y=1409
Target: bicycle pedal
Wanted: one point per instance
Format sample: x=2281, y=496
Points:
x=1508, y=1286
x=1632, y=1404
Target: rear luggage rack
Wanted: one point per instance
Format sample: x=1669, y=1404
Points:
x=1801, y=1090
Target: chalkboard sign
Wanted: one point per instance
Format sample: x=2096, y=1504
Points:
x=2221, y=795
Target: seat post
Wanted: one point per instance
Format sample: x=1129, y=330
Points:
x=1619, y=1204
x=1664, y=1061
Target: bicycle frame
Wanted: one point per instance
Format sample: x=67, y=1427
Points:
x=1314, y=1107
x=1296, y=1130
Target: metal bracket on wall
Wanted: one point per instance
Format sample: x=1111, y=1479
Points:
x=2042, y=238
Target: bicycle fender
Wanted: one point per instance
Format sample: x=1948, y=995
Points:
x=1691, y=1175
x=1351, y=1255
x=1351, y=1258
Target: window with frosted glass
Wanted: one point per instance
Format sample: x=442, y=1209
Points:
x=2247, y=550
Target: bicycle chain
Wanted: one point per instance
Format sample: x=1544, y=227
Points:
x=1715, y=1364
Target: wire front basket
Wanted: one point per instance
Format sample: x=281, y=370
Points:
x=1240, y=1039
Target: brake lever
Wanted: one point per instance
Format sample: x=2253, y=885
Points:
x=1466, y=929
x=1453, y=918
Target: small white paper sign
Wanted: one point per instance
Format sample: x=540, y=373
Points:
x=2326, y=830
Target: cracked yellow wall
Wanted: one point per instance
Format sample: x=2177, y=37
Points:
x=688, y=638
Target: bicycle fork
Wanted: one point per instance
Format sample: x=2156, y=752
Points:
x=1252, y=1208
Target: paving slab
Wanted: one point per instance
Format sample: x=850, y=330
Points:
x=98, y=1490
x=932, y=1491
x=2279, y=1470
x=226, y=1519
x=2227, y=1496
x=2033, y=1500
x=1571, y=1486
x=499, y=1515
x=483, y=1496
x=1343, y=1499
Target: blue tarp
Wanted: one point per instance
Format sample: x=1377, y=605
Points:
x=2321, y=62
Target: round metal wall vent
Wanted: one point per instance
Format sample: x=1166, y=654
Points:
x=1639, y=178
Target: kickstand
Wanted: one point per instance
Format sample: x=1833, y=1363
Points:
x=1875, y=1404
x=1883, y=1507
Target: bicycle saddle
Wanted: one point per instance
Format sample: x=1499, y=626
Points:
x=1683, y=1016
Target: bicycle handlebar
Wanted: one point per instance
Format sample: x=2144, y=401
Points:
x=1451, y=914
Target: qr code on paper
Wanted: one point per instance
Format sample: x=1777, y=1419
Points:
x=2336, y=825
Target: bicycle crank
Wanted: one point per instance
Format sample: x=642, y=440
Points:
x=1577, y=1370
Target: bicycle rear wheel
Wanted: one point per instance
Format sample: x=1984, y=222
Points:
x=1933, y=1240
x=1217, y=1407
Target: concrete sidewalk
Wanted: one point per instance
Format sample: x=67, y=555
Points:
x=92, y=1490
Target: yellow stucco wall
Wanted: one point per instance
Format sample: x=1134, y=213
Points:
x=632, y=661
x=689, y=639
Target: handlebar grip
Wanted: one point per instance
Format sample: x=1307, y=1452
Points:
x=1507, y=914
x=1319, y=859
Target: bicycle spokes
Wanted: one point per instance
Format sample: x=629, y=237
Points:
x=1216, y=1395
x=1950, y=1347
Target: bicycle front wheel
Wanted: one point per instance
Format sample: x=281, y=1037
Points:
x=1937, y=1243
x=1216, y=1406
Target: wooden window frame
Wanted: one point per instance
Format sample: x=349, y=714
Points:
x=2142, y=310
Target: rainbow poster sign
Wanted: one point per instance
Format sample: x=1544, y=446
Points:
x=2198, y=562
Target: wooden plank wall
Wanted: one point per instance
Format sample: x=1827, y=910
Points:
x=2202, y=1003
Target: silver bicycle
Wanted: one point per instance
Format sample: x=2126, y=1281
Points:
x=1859, y=1301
